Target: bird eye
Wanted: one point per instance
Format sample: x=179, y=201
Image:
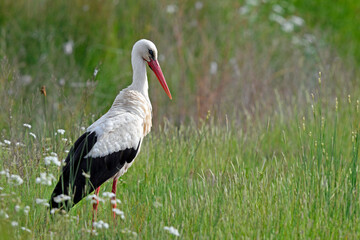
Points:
x=151, y=52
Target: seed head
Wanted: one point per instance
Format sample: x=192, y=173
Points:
x=336, y=104
x=43, y=90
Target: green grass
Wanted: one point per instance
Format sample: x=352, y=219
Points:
x=293, y=179
x=256, y=149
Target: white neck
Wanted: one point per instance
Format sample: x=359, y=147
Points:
x=140, y=82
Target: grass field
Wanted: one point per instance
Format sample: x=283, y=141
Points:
x=278, y=179
x=257, y=144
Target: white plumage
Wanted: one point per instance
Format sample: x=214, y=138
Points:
x=126, y=123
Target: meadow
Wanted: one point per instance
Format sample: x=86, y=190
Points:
x=261, y=140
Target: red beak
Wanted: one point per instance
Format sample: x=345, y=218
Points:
x=154, y=65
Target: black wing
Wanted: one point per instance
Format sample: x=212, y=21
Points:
x=73, y=181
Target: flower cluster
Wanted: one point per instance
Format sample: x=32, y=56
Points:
x=27, y=125
x=42, y=202
x=61, y=198
x=52, y=159
x=32, y=134
x=61, y=131
x=15, y=180
x=100, y=224
x=172, y=230
x=119, y=212
x=45, y=179
x=93, y=198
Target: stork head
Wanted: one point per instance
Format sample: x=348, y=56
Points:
x=148, y=52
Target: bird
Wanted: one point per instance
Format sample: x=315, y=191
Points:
x=110, y=145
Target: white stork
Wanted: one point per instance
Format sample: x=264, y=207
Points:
x=109, y=146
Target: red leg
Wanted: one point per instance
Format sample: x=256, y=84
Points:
x=113, y=199
x=95, y=206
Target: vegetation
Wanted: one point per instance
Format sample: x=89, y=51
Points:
x=260, y=141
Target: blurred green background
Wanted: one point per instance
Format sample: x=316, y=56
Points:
x=234, y=58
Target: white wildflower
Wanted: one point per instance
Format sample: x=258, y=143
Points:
x=33, y=135
x=26, y=229
x=66, y=151
x=100, y=224
x=20, y=144
x=45, y=179
x=64, y=139
x=1, y=188
x=172, y=230
x=96, y=72
x=52, y=159
x=15, y=180
x=298, y=21
x=277, y=18
x=92, y=231
x=172, y=8
x=287, y=27
x=278, y=9
x=5, y=172
x=68, y=47
x=108, y=194
x=7, y=142
x=94, y=198
x=62, y=81
x=52, y=211
x=26, y=210
x=42, y=202
x=213, y=68
x=53, y=154
x=244, y=10
x=3, y=214
x=61, y=131
x=17, y=208
x=119, y=212
x=82, y=128
x=14, y=223
x=252, y=2
x=106, y=225
x=126, y=230
x=115, y=201
x=199, y=5
x=27, y=125
x=61, y=198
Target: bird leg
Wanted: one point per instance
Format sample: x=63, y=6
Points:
x=113, y=198
x=95, y=206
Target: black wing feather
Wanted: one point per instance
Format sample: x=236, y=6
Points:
x=73, y=183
